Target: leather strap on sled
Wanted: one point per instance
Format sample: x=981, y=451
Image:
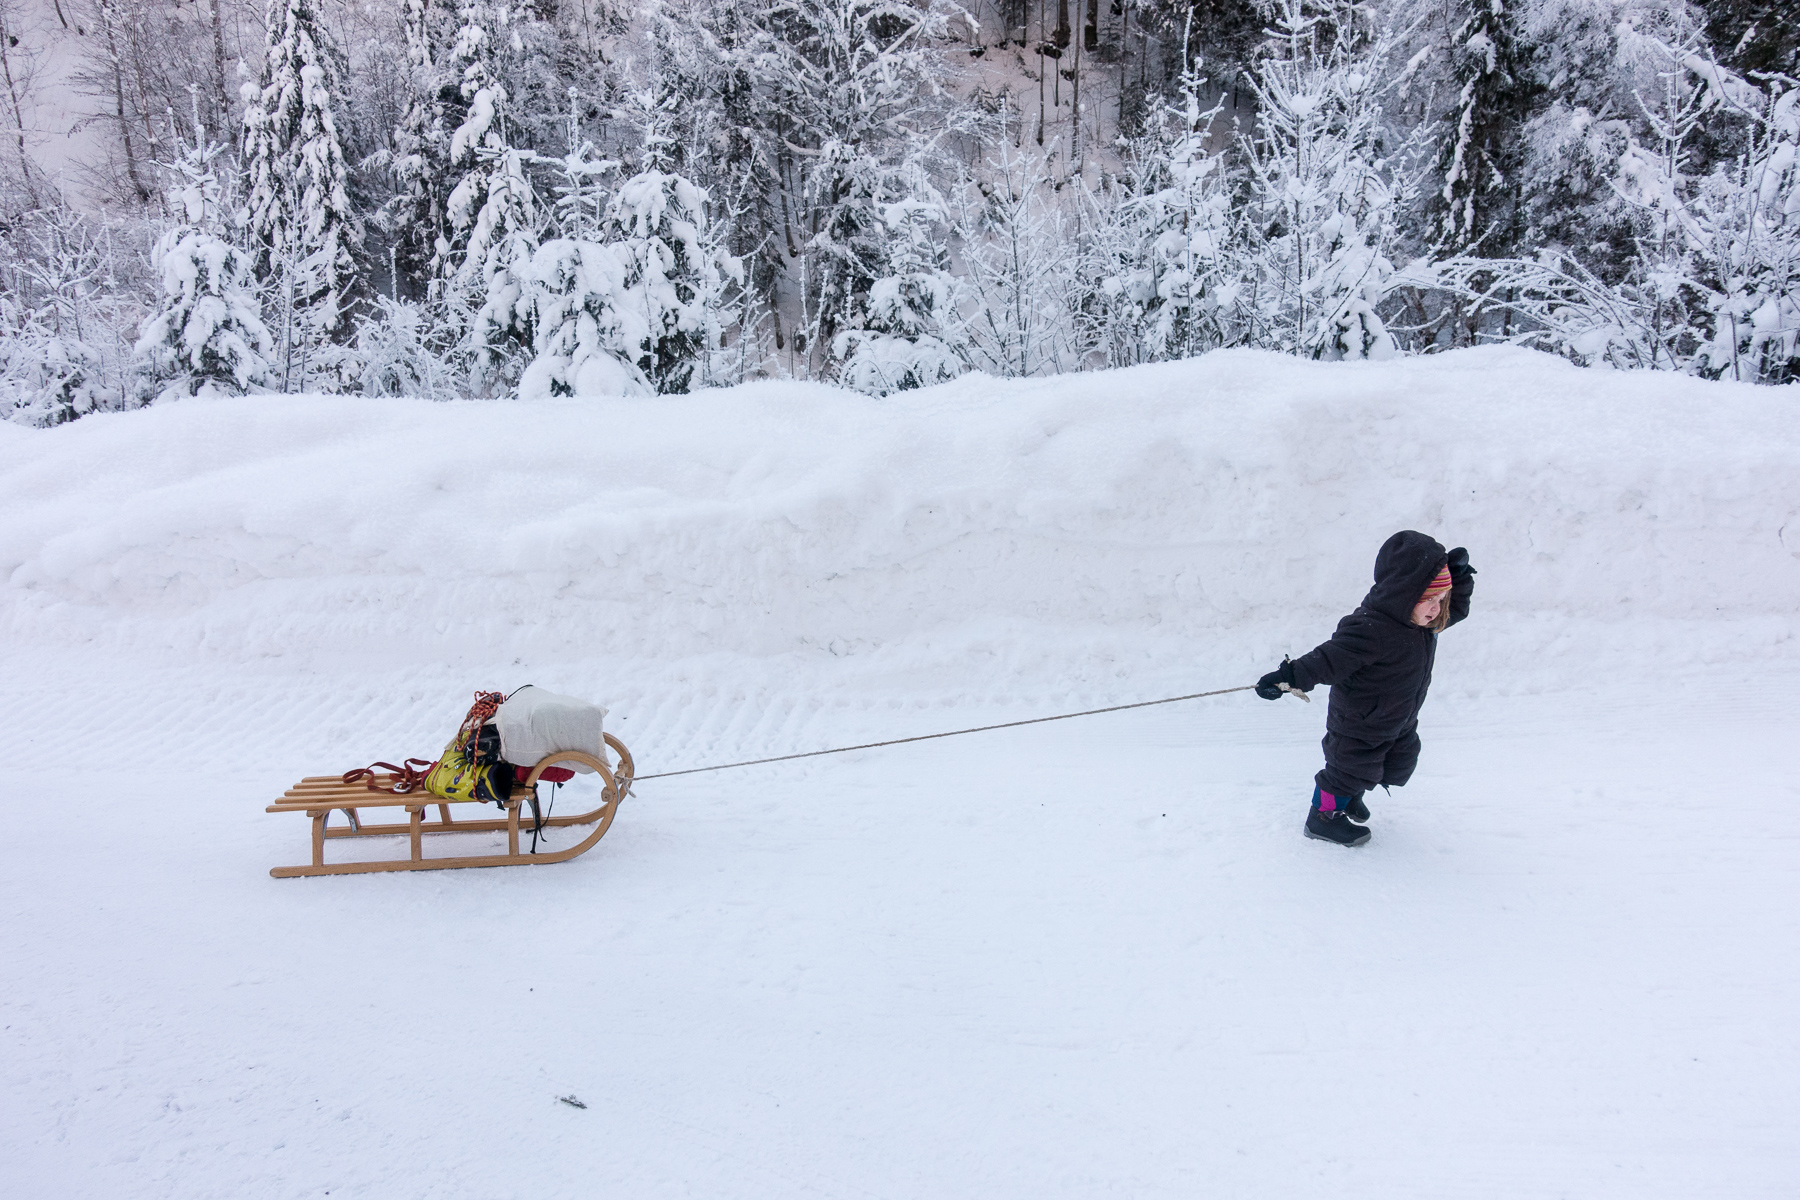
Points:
x=408, y=778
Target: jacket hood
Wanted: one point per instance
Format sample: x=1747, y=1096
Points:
x=1403, y=569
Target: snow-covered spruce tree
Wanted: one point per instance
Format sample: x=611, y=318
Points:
x=635, y=310
x=297, y=204
x=494, y=212
x=664, y=223
x=206, y=335
x=418, y=214
x=580, y=203
x=1325, y=185
x=1167, y=251
x=727, y=136
x=740, y=147
x=479, y=114
x=912, y=333
x=1475, y=204
x=571, y=286
x=586, y=325
x=500, y=239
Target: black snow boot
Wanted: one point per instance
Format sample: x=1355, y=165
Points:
x=1334, y=827
x=1354, y=808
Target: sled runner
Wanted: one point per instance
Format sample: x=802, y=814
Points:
x=319, y=796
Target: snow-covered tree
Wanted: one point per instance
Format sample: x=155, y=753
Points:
x=586, y=324
x=580, y=203
x=46, y=377
x=73, y=289
x=1754, y=35
x=1592, y=59
x=1655, y=177
x=1714, y=283
x=206, y=336
x=475, y=61
x=501, y=238
x=399, y=352
x=494, y=211
x=741, y=152
x=659, y=222
x=297, y=203
x=1475, y=202
x=419, y=158
x=1167, y=249
x=852, y=88
x=636, y=310
x=912, y=334
x=1019, y=269
x=1744, y=224
x=55, y=290
x=1326, y=184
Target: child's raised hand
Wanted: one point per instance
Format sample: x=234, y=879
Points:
x=1459, y=563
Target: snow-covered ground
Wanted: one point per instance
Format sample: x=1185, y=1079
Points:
x=1078, y=959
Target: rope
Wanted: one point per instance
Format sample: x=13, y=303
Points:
x=926, y=737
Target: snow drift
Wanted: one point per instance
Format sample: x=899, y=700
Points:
x=1098, y=533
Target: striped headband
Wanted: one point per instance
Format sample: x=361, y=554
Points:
x=1440, y=585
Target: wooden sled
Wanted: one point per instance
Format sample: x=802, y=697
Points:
x=319, y=796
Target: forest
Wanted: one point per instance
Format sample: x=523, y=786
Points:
x=598, y=197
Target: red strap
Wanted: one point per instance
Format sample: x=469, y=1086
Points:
x=550, y=775
x=405, y=779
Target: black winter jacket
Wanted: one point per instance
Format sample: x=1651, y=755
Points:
x=1378, y=663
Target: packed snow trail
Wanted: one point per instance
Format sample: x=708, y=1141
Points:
x=1079, y=959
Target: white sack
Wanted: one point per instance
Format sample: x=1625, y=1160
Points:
x=535, y=724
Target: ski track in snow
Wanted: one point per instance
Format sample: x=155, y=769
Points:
x=1072, y=960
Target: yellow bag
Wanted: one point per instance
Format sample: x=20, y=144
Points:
x=470, y=767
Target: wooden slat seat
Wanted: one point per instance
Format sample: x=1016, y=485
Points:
x=330, y=791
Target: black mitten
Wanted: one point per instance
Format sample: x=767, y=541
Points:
x=1459, y=563
x=1269, y=686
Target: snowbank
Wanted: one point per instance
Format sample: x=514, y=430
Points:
x=1104, y=533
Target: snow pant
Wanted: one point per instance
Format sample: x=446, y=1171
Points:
x=1354, y=766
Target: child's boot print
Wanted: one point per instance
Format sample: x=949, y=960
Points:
x=1329, y=822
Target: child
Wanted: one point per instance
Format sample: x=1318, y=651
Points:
x=1378, y=664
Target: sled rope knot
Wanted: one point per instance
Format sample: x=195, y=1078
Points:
x=926, y=737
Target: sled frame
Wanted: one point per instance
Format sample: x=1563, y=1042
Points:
x=318, y=796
